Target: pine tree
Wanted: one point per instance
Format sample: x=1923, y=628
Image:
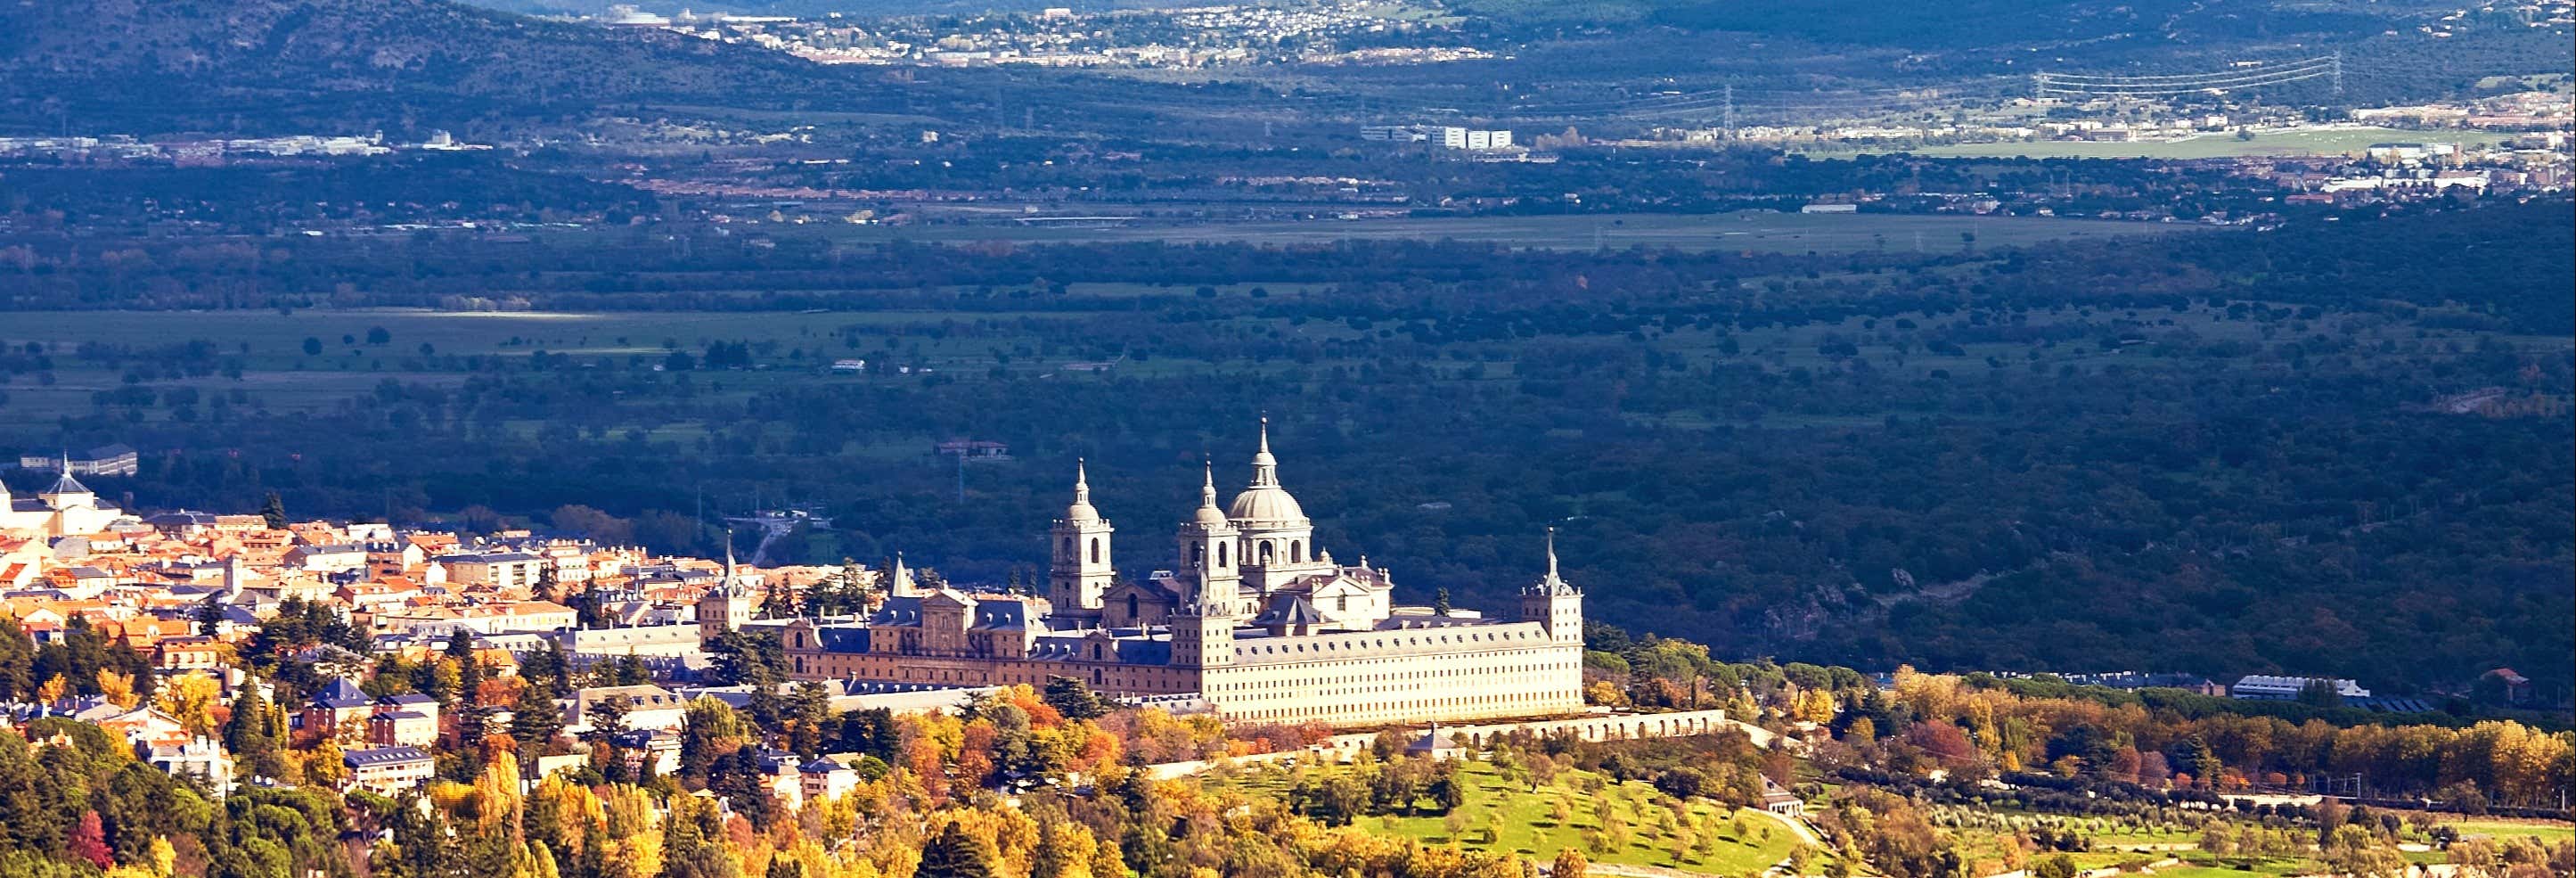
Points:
x=17, y=661
x=777, y=602
x=535, y=720
x=954, y=854
x=274, y=510
x=209, y=615
x=248, y=734
x=631, y=671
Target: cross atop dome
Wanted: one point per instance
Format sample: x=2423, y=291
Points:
x=1264, y=503
x=1265, y=468
x=1081, y=510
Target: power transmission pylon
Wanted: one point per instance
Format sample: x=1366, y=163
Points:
x=1730, y=111
x=2338, y=72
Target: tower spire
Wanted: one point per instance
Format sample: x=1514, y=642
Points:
x=901, y=584
x=729, y=579
x=1553, y=583
x=1207, y=484
x=1081, y=483
x=1265, y=468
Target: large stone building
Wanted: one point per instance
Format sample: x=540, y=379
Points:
x=1258, y=620
x=66, y=508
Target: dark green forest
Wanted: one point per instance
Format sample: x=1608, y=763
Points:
x=2223, y=452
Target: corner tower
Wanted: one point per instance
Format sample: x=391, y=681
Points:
x=726, y=607
x=1553, y=603
x=1081, y=572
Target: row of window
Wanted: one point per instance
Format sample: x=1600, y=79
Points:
x=1337, y=644
x=1401, y=676
x=1411, y=708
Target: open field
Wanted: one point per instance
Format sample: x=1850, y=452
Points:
x=1525, y=821
x=1760, y=231
x=2325, y=141
x=790, y=349
x=2549, y=832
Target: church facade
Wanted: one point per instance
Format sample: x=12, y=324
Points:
x=68, y=507
x=1258, y=620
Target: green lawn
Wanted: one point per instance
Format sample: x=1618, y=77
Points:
x=2549, y=832
x=2276, y=868
x=1525, y=822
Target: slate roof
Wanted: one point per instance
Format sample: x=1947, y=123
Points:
x=842, y=638
x=383, y=756
x=905, y=610
x=342, y=695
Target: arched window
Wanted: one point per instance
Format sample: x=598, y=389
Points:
x=1265, y=552
x=1068, y=545
x=1095, y=550
x=1198, y=554
x=1296, y=551
x=1343, y=603
x=1131, y=607
x=1220, y=556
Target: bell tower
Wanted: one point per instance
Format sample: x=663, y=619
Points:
x=1081, y=571
x=1209, y=564
x=727, y=606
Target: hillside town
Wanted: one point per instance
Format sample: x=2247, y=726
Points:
x=121, y=603
x=1316, y=32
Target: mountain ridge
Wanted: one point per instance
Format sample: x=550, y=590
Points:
x=209, y=63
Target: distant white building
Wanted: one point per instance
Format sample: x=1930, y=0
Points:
x=106, y=460
x=389, y=770
x=201, y=757
x=2260, y=687
x=1454, y=137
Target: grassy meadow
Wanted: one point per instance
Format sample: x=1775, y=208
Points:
x=1503, y=814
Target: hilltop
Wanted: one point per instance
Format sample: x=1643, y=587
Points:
x=145, y=65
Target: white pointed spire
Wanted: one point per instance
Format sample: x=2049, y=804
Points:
x=902, y=583
x=1208, y=515
x=732, y=583
x=1265, y=468
x=1553, y=583
x=1081, y=510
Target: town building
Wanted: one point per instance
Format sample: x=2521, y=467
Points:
x=106, y=460
x=198, y=757
x=1259, y=621
x=65, y=508
x=389, y=770
x=2263, y=687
